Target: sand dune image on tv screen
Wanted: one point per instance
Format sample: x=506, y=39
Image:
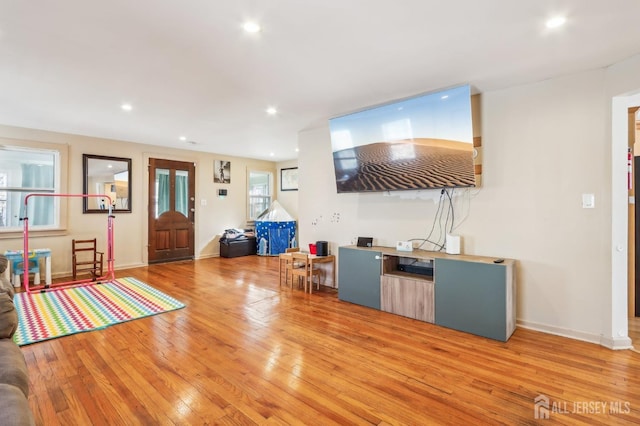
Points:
x=404, y=165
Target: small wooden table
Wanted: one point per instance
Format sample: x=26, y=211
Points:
x=313, y=259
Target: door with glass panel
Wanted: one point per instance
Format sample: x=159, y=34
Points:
x=171, y=210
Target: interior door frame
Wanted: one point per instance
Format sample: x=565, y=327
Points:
x=145, y=196
x=634, y=238
x=615, y=333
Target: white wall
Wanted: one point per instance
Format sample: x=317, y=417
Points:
x=544, y=145
x=130, y=229
x=287, y=199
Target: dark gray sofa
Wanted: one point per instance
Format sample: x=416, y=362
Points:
x=14, y=381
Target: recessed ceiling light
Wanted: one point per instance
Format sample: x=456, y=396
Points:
x=444, y=96
x=251, y=27
x=272, y=111
x=556, y=22
x=183, y=138
x=126, y=107
x=271, y=154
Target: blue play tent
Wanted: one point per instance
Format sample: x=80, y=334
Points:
x=275, y=231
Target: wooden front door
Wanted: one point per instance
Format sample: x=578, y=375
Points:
x=171, y=210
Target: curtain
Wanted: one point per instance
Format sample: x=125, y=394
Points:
x=40, y=208
x=162, y=188
x=182, y=192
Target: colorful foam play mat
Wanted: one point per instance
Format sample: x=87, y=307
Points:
x=65, y=311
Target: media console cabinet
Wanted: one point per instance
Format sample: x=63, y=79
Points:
x=467, y=293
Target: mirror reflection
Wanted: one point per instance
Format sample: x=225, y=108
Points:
x=108, y=176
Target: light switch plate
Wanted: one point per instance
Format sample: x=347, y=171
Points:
x=588, y=201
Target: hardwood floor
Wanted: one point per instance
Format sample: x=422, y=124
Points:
x=634, y=331
x=245, y=352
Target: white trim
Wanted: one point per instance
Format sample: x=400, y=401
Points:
x=616, y=344
x=66, y=274
x=560, y=331
x=618, y=331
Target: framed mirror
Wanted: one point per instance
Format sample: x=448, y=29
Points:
x=109, y=176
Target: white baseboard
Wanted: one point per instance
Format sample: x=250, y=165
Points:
x=129, y=266
x=616, y=343
x=66, y=274
x=608, y=342
x=207, y=256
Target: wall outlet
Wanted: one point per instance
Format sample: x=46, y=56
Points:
x=404, y=246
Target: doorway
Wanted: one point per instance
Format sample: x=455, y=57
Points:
x=634, y=227
x=171, y=210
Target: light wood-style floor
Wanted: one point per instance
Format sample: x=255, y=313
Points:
x=634, y=331
x=244, y=352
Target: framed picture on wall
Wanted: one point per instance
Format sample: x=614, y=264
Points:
x=289, y=179
x=222, y=171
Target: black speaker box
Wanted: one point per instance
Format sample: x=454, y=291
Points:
x=322, y=248
x=365, y=241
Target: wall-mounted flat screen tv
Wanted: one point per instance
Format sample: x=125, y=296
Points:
x=424, y=142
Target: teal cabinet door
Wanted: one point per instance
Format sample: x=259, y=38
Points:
x=472, y=297
x=359, y=276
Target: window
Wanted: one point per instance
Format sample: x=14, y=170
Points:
x=28, y=170
x=3, y=199
x=260, y=184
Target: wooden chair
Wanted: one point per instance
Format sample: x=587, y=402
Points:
x=305, y=272
x=86, y=258
x=289, y=265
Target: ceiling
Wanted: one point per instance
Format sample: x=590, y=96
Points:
x=188, y=68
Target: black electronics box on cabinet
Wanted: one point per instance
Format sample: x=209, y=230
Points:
x=365, y=241
x=322, y=248
x=420, y=270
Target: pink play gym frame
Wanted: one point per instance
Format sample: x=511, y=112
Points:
x=110, y=274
